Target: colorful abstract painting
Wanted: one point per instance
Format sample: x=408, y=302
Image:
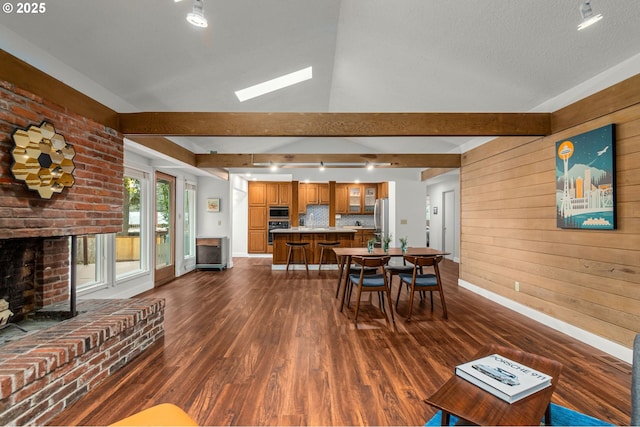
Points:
x=585, y=180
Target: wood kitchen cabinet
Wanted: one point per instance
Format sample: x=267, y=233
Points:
x=257, y=193
x=278, y=193
x=257, y=233
x=360, y=198
x=312, y=194
x=257, y=241
x=362, y=236
x=342, y=198
x=257, y=217
x=383, y=190
x=369, y=196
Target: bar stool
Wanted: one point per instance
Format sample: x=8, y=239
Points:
x=327, y=245
x=297, y=245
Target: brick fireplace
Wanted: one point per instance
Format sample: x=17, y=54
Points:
x=34, y=232
x=46, y=371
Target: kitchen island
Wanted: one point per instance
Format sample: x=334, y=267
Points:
x=313, y=236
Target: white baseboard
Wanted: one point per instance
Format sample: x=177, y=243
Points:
x=623, y=353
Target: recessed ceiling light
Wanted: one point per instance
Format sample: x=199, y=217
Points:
x=274, y=84
x=196, y=17
x=588, y=18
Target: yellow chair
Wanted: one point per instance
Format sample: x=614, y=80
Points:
x=164, y=414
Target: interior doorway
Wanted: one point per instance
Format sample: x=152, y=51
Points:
x=449, y=223
x=165, y=208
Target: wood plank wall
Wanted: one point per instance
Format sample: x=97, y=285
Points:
x=588, y=278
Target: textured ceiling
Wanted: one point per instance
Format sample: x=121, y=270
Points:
x=367, y=56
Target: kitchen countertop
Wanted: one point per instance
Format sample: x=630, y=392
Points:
x=313, y=230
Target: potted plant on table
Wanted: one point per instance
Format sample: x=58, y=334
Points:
x=385, y=243
x=370, y=243
x=403, y=244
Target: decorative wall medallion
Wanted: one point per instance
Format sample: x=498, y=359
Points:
x=42, y=159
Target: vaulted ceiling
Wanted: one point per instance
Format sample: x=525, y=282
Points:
x=367, y=56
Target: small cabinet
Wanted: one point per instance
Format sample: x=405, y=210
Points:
x=362, y=237
x=342, y=198
x=257, y=241
x=257, y=193
x=211, y=252
x=355, y=199
x=383, y=190
x=257, y=218
x=369, y=198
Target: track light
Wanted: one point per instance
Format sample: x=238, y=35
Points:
x=196, y=17
x=588, y=18
x=321, y=166
x=369, y=166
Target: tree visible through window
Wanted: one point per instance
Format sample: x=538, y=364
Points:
x=128, y=241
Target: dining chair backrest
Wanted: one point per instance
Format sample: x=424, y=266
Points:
x=423, y=282
x=420, y=261
x=371, y=261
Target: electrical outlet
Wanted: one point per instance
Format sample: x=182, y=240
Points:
x=516, y=286
x=219, y=222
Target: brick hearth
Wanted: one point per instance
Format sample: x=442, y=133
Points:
x=43, y=373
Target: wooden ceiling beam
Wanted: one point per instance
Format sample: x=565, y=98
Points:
x=329, y=160
x=433, y=172
x=334, y=124
x=166, y=147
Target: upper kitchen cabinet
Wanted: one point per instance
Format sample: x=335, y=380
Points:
x=356, y=198
x=278, y=193
x=257, y=193
x=342, y=198
x=383, y=190
x=369, y=196
x=312, y=194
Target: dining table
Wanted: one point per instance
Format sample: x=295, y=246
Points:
x=345, y=255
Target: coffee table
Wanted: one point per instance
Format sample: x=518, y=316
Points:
x=464, y=400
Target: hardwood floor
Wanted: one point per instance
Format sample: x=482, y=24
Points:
x=252, y=346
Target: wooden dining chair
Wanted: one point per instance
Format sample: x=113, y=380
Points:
x=418, y=281
x=370, y=283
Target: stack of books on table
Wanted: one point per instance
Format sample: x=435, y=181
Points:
x=504, y=378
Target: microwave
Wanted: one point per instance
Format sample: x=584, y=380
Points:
x=278, y=211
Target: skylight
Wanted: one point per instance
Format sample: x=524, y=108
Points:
x=274, y=84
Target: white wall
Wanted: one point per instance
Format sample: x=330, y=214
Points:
x=410, y=212
x=239, y=221
x=214, y=224
x=435, y=188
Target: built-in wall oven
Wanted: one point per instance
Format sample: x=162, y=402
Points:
x=279, y=212
x=274, y=225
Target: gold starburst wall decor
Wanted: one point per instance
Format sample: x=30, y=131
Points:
x=42, y=159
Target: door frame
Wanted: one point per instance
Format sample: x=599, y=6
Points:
x=165, y=274
x=449, y=222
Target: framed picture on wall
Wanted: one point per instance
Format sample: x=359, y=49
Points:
x=586, y=180
x=213, y=204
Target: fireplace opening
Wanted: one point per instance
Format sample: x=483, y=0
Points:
x=35, y=285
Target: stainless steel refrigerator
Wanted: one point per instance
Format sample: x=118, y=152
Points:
x=381, y=219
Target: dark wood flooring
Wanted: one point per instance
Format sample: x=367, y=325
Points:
x=252, y=346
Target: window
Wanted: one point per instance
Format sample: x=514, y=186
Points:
x=189, y=220
x=89, y=265
x=130, y=245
